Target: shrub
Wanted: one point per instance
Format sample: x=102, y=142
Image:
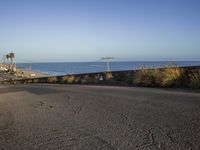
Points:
x=195, y=79
x=128, y=79
x=35, y=80
x=52, y=79
x=108, y=75
x=97, y=77
x=29, y=81
x=147, y=77
x=86, y=79
x=77, y=80
x=173, y=76
x=69, y=79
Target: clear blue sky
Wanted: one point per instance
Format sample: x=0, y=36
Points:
x=70, y=30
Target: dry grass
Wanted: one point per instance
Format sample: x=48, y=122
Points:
x=167, y=77
x=77, y=80
x=108, y=75
x=69, y=79
x=52, y=79
x=147, y=77
x=195, y=79
x=86, y=79
x=30, y=81
x=35, y=80
x=97, y=77
x=173, y=76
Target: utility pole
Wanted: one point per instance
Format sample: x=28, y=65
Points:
x=107, y=59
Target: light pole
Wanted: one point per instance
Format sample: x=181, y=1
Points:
x=107, y=59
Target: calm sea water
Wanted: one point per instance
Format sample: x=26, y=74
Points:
x=89, y=67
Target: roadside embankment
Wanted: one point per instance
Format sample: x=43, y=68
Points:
x=182, y=77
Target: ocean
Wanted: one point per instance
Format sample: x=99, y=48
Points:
x=64, y=68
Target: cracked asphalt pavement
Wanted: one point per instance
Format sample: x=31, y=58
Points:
x=78, y=117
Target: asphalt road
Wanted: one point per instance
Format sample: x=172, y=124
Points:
x=51, y=117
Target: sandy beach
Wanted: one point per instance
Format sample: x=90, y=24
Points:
x=79, y=117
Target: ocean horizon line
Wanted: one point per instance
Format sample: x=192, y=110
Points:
x=110, y=61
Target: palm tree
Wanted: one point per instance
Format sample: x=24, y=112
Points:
x=7, y=56
x=11, y=56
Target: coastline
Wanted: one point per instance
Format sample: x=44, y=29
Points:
x=21, y=74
